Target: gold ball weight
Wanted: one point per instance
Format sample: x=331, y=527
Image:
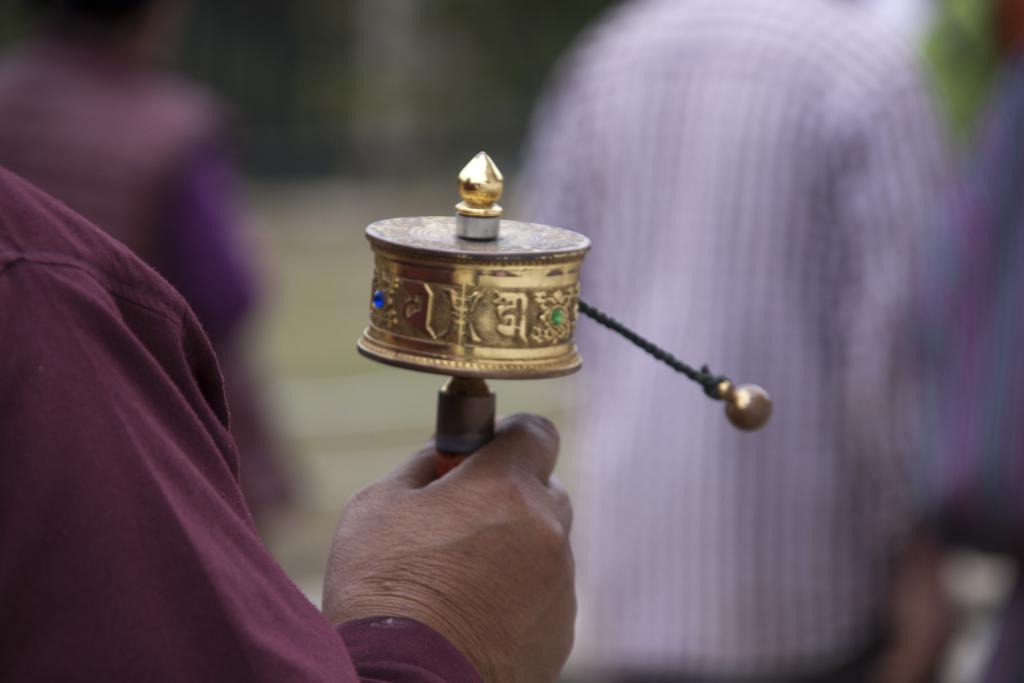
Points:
x=748, y=407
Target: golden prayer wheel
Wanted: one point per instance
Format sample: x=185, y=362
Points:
x=498, y=309
x=474, y=296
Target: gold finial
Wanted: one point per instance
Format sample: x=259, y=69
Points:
x=480, y=186
x=748, y=407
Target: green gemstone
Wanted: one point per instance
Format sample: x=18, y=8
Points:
x=558, y=316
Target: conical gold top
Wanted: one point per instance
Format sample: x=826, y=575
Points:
x=480, y=186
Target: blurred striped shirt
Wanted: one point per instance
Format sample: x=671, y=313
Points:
x=757, y=177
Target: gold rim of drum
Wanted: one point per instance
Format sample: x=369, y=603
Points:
x=505, y=310
x=483, y=369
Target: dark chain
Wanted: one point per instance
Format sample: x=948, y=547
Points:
x=708, y=381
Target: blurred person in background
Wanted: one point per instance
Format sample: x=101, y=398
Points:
x=758, y=177
x=973, y=339
x=89, y=113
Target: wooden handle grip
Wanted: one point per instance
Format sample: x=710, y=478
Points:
x=446, y=462
x=465, y=421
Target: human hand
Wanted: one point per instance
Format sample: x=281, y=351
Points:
x=481, y=555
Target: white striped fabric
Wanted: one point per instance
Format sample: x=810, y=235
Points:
x=756, y=176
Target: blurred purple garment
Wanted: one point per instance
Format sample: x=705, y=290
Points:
x=126, y=550
x=201, y=251
x=199, y=248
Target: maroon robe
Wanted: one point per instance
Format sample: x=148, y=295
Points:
x=126, y=550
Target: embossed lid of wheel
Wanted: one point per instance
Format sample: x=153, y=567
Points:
x=436, y=235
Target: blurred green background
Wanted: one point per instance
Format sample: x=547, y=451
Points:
x=380, y=87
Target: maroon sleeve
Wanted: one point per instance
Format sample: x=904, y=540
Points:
x=392, y=650
x=126, y=552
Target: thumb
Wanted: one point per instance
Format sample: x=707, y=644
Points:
x=523, y=443
x=416, y=472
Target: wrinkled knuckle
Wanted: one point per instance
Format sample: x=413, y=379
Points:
x=561, y=498
x=509, y=497
x=501, y=498
x=566, y=515
x=550, y=537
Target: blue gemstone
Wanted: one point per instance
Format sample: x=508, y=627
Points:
x=379, y=299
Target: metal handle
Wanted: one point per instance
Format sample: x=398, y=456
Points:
x=465, y=421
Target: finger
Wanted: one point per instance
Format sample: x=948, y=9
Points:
x=562, y=504
x=416, y=472
x=523, y=443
